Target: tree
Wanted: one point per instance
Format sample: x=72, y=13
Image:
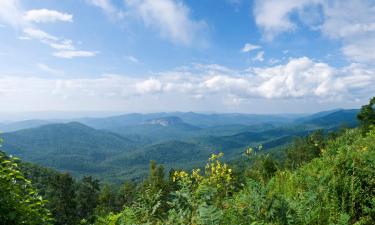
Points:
x=87, y=198
x=126, y=194
x=304, y=149
x=367, y=115
x=62, y=199
x=19, y=201
x=107, y=200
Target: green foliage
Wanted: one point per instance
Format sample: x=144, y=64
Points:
x=304, y=149
x=367, y=115
x=82, y=151
x=87, y=198
x=334, y=185
x=321, y=179
x=19, y=201
x=62, y=199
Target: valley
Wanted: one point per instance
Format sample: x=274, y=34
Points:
x=120, y=148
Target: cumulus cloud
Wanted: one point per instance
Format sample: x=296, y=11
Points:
x=250, y=47
x=11, y=13
x=171, y=18
x=39, y=34
x=108, y=8
x=148, y=86
x=259, y=56
x=48, y=69
x=63, y=45
x=300, y=78
x=74, y=54
x=132, y=59
x=46, y=15
x=273, y=16
x=352, y=22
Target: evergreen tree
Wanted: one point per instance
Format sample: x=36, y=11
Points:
x=107, y=200
x=126, y=194
x=367, y=115
x=62, y=199
x=87, y=198
x=304, y=149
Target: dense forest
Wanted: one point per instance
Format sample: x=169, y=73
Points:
x=321, y=178
x=117, y=148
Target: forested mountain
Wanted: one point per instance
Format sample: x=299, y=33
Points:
x=125, y=149
x=332, y=119
x=19, y=125
x=322, y=178
x=194, y=119
x=72, y=147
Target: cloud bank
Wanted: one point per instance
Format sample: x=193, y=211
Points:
x=300, y=78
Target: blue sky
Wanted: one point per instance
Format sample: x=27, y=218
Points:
x=267, y=56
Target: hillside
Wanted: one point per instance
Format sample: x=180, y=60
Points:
x=73, y=146
x=125, y=151
x=20, y=125
x=195, y=119
x=157, y=129
x=332, y=119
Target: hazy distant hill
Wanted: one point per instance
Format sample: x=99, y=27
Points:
x=122, y=146
x=332, y=118
x=158, y=129
x=194, y=119
x=72, y=146
x=19, y=125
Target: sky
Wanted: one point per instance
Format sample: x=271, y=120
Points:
x=265, y=56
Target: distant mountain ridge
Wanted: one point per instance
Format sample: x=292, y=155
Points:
x=73, y=146
x=334, y=118
x=189, y=118
x=124, y=148
x=24, y=124
x=166, y=121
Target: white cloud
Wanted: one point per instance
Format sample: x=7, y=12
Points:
x=250, y=47
x=273, y=61
x=203, y=87
x=24, y=38
x=39, y=34
x=132, y=59
x=46, y=15
x=10, y=13
x=73, y=54
x=48, y=69
x=63, y=45
x=108, y=8
x=259, y=56
x=170, y=18
x=352, y=22
x=149, y=86
x=273, y=16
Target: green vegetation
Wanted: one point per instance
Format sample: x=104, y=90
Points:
x=322, y=178
x=367, y=115
x=19, y=201
x=124, y=149
x=337, y=186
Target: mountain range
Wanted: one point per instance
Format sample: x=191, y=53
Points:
x=120, y=147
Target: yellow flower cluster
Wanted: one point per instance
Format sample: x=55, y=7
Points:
x=218, y=173
x=179, y=175
x=196, y=175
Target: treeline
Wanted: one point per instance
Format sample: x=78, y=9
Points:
x=320, y=179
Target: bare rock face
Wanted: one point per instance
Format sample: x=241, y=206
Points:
x=165, y=121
